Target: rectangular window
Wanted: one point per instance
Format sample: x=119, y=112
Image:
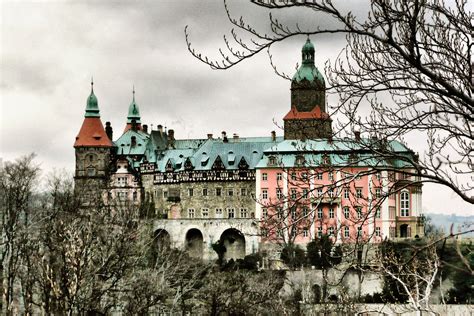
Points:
x=123, y=196
x=165, y=194
x=280, y=213
x=293, y=176
x=378, y=212
x=305, y=193
x=331, y=176
x=204, y=192
x=218, y=212
x=190, y=192
x=305, y=232
x=205, y=212
x=391, y=212
x=319, y=176
x=305, y=211
x=359, y=212
x=264, y=176
x=377, y=231
x=304, y=176
x=320, y=212
x=293, y=212
x=218, y=191
x=378, y=192
x=243, y=191
x=230, y=192
x=377, y=175
x=264, y=194
x=293, y=194
x=346, y=232
x=320, y=232
x=264, y=212
x=279, y=193
x=331, y=212
x=279, y=176
x=331, y=231
x=346, y=193
x=331, y=192
x=243, y=213
x=359, y=231
x=346, y=212
x=359, y=192
x=231, y=212
x=191, y=213
x=320, y=191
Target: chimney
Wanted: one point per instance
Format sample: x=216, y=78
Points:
x=108, y=130
x=224, y=137
x=330, y=139
x=171, y=139
x=273, y=136
x=145, y=129
x=209, y=136
x=235, y=136
x=357, y=135
x=134, y=141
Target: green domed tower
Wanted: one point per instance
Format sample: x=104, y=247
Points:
x=307, y=118
x=133, y=117
x=308, y=88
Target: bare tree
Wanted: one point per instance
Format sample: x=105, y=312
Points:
x=17, y=180
x=411, y=61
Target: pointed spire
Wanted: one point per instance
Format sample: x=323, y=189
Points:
x=92, y=105
x=133, y=111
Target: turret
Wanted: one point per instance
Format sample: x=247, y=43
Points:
x=133, y=118
x=93, y=148
x=307, y=117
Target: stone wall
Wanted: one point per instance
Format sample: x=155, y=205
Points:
x=203, y=198
x=212, y=230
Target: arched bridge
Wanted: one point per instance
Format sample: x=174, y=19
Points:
x=196, y=236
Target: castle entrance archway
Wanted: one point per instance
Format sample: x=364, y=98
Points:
x=194, y=243
x=234, y=242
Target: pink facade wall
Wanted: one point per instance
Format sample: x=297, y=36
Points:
x=375, y=226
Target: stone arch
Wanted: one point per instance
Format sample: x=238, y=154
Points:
x=194, y=243
x=234, y=242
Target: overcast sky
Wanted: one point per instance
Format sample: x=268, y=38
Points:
x=50, y=50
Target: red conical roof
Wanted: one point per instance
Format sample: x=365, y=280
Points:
x=92, y=134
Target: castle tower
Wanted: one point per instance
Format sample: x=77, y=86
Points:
x=133, y=118
x=93, y=149
x=307, y=118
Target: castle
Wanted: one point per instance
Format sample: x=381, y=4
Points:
x=253, y=193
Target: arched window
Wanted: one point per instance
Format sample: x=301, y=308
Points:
x=404, y=203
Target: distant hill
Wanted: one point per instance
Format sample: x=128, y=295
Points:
x=444, y=222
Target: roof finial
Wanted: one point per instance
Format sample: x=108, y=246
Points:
x=92, y=84
x=133, y=91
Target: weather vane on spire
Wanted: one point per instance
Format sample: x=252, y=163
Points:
x=92, y=84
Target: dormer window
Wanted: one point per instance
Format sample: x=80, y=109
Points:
x=272, y=161
x=300, y=160
x=204, y=159
x=188, y=164
x=231, y=158
x=169, y=166
x=218, y=164
x=243, y=164
x=326, y=159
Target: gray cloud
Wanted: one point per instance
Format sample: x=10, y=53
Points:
x=51, y=49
